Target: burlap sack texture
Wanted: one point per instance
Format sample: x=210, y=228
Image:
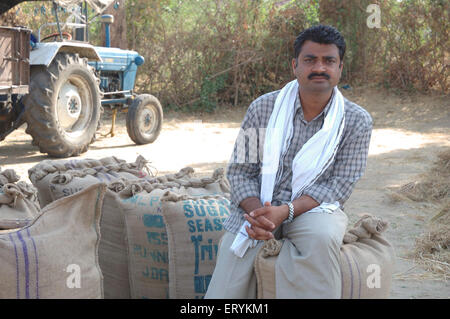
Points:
x=194, y=229
x=61, y=178
x=55, y=256
x=55, y=179
x=367, y=262
x=146, y=230
x=18, y=201
x=113, y=249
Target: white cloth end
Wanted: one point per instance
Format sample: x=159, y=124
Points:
x=242, y=242
x=325, y=208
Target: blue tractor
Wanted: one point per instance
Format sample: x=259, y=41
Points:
x=70, y=81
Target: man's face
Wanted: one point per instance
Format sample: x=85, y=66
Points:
x=319, y=67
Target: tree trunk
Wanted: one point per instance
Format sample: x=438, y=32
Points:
x=118, y=29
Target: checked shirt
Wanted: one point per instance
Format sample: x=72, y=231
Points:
x=335, y=184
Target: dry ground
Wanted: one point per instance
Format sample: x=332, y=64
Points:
x=409, y=131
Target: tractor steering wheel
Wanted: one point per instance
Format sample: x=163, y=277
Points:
x=55, y=35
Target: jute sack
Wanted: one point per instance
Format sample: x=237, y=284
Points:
x=194, y=229
x=55, y=179
x=367, y=262
x=18, y=201
x=146, y=231
x=113, y=248
x=55, y=256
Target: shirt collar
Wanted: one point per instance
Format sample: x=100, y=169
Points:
x=325, y=111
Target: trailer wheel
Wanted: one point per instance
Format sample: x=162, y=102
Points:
x=144, y=119
x=62, y=109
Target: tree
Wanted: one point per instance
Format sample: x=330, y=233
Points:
x=118, y=29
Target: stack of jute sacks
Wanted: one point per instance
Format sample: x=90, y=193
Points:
x=107, y=229
x=367, y=262
x=173, y=224
x=55, y=179
x=139, y=221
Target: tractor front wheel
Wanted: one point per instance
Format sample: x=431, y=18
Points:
x=144, y=119
x=62, y=110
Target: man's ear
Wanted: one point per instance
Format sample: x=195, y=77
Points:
x=341, y=67
x=294, y=65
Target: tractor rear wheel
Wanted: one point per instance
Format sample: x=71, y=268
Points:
x=144, y=119
x=62, y=110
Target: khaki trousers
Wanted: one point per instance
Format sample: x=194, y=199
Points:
x=308, y=265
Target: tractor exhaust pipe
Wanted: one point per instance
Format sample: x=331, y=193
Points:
x=107, y=19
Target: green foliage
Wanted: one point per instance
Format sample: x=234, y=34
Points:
x=187, y=44
x=209, y=91
x=203, y=53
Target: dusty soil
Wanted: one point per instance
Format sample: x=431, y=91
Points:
x=409, y=131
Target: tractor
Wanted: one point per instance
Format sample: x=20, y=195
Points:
x=59, y=86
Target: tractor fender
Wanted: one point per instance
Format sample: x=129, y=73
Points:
x=44, y=53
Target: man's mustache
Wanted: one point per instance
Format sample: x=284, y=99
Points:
x=318, y=74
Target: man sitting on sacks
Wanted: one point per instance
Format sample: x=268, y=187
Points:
x=314, y=145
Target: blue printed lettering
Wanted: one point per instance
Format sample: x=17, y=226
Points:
x=70, y=191
x=141, y=201
x=188, y=211
x=156, y=273
x=198, y=223
x=157, y=238
x=132, y=200
x=137, y=250
x=208, y=249
x=159, y=256
x=208, y=225
x=156, y=255
x=201, y=284
x=212, y=210
x=223, y=211
x=154, y=199
x=153, y=221
x=202, y=252
x=217, y=224
x=196, y=240
x=198, y=212
x=191, y=226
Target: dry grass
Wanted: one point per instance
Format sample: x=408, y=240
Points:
x=432, y=249
x=433, y=185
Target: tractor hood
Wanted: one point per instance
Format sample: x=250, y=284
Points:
x=98, y=5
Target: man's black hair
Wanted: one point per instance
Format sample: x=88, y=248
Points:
x=323, y=34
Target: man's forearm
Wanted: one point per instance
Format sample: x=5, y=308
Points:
x=303, y=204
x=268, y=218
x=250, y=204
